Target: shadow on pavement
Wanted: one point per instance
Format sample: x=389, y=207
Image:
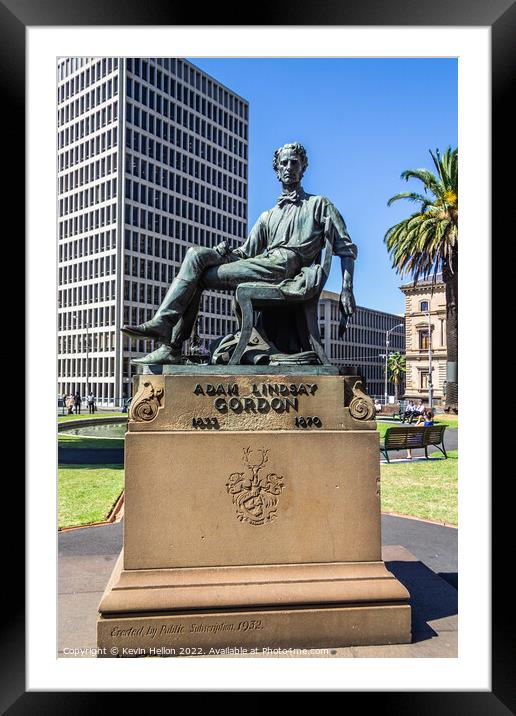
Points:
x=433, y=600
x=451, y=577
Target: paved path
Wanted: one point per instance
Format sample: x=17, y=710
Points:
x=422, y=556
x=90, y=456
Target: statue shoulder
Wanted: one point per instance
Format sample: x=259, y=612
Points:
x=321, y=205
x=324, y=200
x=319, y=199
x=261, y=221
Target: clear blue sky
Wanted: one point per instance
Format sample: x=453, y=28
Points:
x=362, y=122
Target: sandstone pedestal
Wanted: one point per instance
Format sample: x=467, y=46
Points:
x=252, y=517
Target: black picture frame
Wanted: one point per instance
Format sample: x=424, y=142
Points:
x=500, y=16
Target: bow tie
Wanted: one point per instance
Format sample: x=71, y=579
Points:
x=292, y=197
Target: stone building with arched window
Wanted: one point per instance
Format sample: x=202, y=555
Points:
x=425, y=324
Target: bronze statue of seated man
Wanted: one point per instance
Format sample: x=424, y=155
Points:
x=283, y=243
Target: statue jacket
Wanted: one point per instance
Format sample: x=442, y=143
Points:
x=293, y=232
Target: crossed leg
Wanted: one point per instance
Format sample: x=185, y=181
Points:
x=201, y=269
x=225, y=277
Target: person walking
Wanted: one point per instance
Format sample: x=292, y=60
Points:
x=70, y=404
x=91, y=402
x=77, y=402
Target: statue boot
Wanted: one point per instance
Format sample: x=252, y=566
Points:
x=164, y=355
x=159, y=330
x=168, y=314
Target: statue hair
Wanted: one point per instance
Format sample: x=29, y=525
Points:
x=299, y=150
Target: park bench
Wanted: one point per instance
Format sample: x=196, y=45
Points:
x=411, y=437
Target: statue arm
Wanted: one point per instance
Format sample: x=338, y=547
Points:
x=347, y=251
x=255, y=244
x=347, y=299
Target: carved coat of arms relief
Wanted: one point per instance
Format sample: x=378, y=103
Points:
x=255, y=492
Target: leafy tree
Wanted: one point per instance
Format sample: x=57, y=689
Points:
x=396, y=364
x=426, y=243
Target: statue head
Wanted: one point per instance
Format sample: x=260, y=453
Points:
x=289, y=163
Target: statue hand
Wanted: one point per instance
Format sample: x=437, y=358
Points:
x=223, y=248
x=348, y=307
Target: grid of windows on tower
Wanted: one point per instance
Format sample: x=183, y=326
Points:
x=152, y=158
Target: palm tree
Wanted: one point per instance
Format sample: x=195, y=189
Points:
x=426, y=243
x=396, y=364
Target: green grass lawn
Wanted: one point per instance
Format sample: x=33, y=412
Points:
x=82, y=441
x=452, y=421
x=87, y=493
x=86, y=416
x=426, y=488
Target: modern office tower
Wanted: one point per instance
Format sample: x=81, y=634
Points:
x=152, y=158
x=364, y=343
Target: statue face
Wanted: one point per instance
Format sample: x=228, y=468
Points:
x=290, y=167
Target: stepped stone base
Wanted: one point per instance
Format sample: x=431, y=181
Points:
x=192, y=611
x=252, y=520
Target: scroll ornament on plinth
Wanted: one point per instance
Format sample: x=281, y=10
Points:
x=146, y=402
x=361, y=406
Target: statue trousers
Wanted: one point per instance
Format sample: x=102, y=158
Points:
x=205, y=268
